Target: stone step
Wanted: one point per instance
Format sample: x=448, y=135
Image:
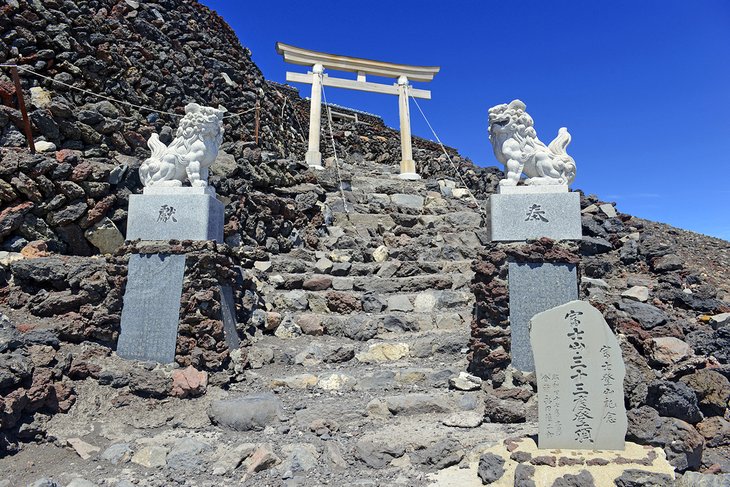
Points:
x=444, y=287
x=388, y=185
x=288, y=267
x=366, y=326
x=348, y=302
x=402, y=262
x=389, y=351
x=399, y=204
x=452, y=222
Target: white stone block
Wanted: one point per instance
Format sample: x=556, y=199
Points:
x=167, y=215
x=520, y=217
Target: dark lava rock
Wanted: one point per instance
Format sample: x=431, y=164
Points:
x=442, y=454
x=596, y=267
x=715, y=430
x=491, y=468
x=641, y=478
x=712, y=390
x=583, y=479
x=595, y=245
x=343, y=303
x=357, y=327
x=666, y=263
x=682, y=444
x=377, y=455
x=524, y=476
x=592, y=228
x=715, y=343
x=638, y=376
x=498, y=410
x=152, y=384
x=674, y=399
x=647, y=315
x=652, y=247
x=373, y=303
x=629, y=252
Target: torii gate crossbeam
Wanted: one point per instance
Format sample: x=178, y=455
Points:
x=363, y=67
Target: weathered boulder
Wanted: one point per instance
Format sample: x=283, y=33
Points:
x=246, y=413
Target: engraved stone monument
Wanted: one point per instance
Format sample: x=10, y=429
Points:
x=168, y=210
x=542, y=207
x=152, y=307
x=580, y=376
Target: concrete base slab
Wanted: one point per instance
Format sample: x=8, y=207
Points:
x=411, y=176
x=313, y=159
x=544, y=467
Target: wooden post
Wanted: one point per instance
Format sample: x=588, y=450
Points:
x=256, y=126
x=23, y=111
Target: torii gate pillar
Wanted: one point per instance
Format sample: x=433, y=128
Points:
x=404, y=73
x=313, y=157
x=407, y=164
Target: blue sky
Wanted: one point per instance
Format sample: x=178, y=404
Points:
x=643, y=86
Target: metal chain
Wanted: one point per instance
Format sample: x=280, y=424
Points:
x=108, y=98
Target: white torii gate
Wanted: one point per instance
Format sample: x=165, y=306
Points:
x=402, y=72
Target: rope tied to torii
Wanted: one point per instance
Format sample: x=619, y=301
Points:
x=453, y=165
x=108, y=98
x=334, y=149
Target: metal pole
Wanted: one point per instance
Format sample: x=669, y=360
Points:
x=23, y=111
x=256, y=127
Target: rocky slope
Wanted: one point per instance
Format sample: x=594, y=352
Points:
x=356, y=296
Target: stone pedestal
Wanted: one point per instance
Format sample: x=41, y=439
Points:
x=178, y=213
x=534, y=288
x=518, y=214
x=511, y=283
x=521, y=213
x=410, y=166
x=160, y=275
x=171, y=310
x=151, y=307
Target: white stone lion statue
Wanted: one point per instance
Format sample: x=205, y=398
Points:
x=516, y=145
x=190, y=154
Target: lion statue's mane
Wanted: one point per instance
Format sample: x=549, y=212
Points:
x=190, y=154
x=515, y=144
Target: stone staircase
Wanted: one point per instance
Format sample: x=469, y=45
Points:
x=394, y=264
x=370, y=331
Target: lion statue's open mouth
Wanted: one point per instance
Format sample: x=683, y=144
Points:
x=515, y=144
